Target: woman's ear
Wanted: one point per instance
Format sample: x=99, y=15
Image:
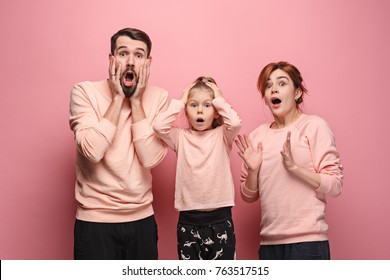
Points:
x=298, y=94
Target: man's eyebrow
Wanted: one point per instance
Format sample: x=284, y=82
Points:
x=125, y=47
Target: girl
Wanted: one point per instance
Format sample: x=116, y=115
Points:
x=204, y=189
x=291, y=164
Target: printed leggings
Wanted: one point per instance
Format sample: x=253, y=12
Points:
x=206, y=235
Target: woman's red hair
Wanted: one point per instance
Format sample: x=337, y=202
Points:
x=290, y=69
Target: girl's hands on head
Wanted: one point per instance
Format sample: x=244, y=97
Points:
x=184, y=96
x=215, y=88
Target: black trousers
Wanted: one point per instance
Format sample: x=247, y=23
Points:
x=317, y=250
x=135, y=240
x=206, y=235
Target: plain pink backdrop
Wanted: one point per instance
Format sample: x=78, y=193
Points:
x=341, y=47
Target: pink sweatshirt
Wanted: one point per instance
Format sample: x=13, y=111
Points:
x=113, y=179
x=292, y=211
x=203, y=175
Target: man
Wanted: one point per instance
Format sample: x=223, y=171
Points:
x=116, y=148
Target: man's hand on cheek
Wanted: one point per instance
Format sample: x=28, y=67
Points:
x=143, y=78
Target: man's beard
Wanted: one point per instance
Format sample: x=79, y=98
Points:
x=129, y=91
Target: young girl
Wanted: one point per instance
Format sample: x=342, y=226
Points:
x=204, y=190
x=291, y=164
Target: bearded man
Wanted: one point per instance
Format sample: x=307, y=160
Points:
x=116, y=148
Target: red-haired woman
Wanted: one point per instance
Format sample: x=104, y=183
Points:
x=291, y=164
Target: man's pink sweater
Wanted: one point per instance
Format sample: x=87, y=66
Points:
x=292, y=211
x=113, y=179
x=203, y=175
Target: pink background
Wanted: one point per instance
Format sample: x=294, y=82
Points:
x=341, y=47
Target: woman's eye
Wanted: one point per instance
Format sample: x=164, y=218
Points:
x=268, y=85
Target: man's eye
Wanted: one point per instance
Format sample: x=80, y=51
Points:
x=139, y=55
x=122, y=54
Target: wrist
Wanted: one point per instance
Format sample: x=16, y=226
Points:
x=253, y=174
x=293, y=168
x=250, y=189
x=136, y=103
x=119, y=97
x=253, y=171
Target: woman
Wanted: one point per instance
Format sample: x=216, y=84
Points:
x=291, y=164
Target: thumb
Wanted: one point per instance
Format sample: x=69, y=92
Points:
x=260, y=147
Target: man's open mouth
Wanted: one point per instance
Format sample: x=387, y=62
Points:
x=129, y=77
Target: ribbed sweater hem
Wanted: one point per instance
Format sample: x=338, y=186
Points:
x=114, y=216
x=294, y=239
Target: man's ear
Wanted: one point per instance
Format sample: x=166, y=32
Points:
x=150, y=58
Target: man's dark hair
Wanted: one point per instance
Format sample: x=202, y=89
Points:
x=134, y=34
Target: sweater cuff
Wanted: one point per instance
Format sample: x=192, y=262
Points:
x=325, y=184
x=141, y=130
x=177, y=104
x=330, y=185
x=108, y=128
x=219, y=101
x=249, y=193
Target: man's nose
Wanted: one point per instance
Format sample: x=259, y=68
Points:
x=130, y=60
